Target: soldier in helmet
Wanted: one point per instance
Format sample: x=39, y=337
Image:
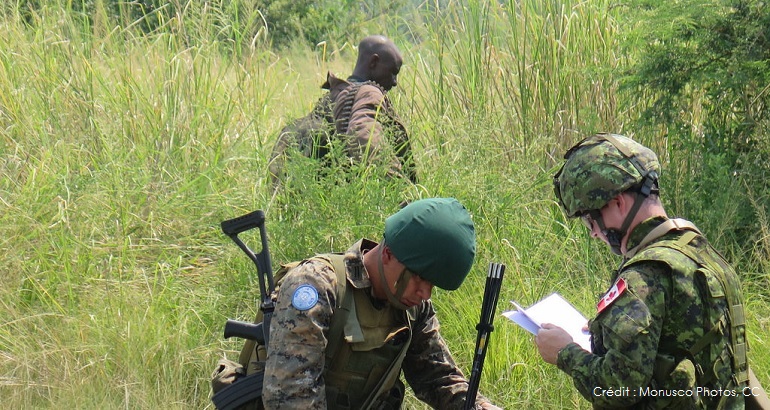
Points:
x=670, y=331
x=343, y=332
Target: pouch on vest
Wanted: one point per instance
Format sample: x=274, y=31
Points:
x=226, y=373
x=392, y=399
x=670, y=375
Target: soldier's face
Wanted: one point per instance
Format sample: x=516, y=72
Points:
x=385, y=72
x=613, y=214
x=417, y=289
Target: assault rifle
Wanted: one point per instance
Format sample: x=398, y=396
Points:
x=249, y=388
x=485, y=328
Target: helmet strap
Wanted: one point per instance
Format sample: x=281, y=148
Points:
x=615, y=236
x=401, y=283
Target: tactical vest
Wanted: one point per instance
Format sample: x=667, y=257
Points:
x=314, y=134
x=368, y=363
x=365, y=350
x=719, y=355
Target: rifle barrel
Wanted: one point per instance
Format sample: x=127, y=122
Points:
x=485, y=328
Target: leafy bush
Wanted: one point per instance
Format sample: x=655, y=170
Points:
x=713, y=56
x=310, y=22
x=700, y=74
x=281, y=22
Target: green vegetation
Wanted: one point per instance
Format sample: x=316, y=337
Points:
x=701, y=78
x=123, y=147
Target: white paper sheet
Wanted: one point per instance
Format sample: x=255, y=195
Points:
x=552, y=309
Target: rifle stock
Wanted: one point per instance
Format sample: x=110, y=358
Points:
x=243, y=223
x=235, y=226
x=249, y=388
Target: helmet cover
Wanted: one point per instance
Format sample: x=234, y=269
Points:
x=601, y=167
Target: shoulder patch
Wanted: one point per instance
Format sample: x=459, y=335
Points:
x=617, y=289
x=304, y=297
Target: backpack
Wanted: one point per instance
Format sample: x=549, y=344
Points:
x=312, y=134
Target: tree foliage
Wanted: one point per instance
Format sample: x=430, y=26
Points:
x=324, y=21
x=700, y=70
x=149, y=14
x=281, y=22
x=705, y=65
x=308, y=21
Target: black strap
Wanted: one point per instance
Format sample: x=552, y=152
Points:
x=245, y=390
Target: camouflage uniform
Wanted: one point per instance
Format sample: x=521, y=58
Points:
x=644, y=333
x=362, y=112
x=670, y=332
x=296, y=372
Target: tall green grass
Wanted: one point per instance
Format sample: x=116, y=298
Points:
x=122, y=152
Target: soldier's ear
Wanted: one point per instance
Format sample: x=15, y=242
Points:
x=623, y=201
x=373, y=61
x=387, y=255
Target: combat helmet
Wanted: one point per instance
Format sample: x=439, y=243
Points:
x=435, y=239
x=599, y=168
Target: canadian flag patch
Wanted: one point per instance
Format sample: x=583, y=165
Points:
x=617, y=289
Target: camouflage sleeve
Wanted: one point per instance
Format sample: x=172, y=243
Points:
x=429, y=367
x=295, y=362
x=627, y=332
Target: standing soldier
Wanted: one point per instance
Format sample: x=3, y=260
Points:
x=670, y=331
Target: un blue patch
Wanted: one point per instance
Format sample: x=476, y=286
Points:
x=304, y=297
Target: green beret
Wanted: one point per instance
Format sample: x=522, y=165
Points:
x=435, y=239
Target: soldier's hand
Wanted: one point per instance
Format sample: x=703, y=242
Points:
x=489, y=406
x=550, y=339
